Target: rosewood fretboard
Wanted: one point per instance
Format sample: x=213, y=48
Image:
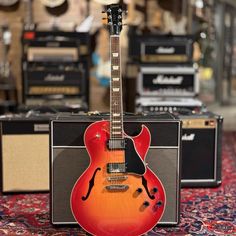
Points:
x=116, y=101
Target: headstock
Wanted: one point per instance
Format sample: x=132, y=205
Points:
x=114, y=18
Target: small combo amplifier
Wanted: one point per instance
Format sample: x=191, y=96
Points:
x=167, y=81
x=170, y=104
x=69, y=159
x=156, y=48
x=24, y=153
x=201, y=149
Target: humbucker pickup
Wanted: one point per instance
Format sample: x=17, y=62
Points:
x=116, y=144
x=116, y=167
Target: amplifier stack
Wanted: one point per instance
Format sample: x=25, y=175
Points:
x=164, y=73
x=161, y=69
x=55, y=69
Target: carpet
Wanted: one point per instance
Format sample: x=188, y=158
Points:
x=204, y=211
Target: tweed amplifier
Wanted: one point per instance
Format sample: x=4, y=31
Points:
x=69, y=159
x=168, y=81
x=170, y=104
x=156, y=48
x=24, y=153
x=201, y=149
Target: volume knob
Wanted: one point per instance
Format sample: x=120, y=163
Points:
x=146, y=203
x=139, y=190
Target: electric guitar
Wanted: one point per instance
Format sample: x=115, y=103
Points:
x=117, y=194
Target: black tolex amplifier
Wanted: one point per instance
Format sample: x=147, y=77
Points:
x=168, y=81
x=156, y=48
x=201, y=149
x=69, y=159
x=45, y=79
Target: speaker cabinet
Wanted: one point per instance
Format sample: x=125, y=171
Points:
x=69, y=159
x=201, y=150
x=24, y=154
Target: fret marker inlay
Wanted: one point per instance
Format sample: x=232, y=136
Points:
x=116, y=132
x=115, y=79
x=116, y=114
x=115, y=54
x=115, y=89
x=115, y=67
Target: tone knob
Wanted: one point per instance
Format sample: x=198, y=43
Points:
x=159, y=203
x=146, y=203
x=155, y=190
x=139, y=190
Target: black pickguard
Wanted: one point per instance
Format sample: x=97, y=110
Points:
x=134, y=163
x=91, y=184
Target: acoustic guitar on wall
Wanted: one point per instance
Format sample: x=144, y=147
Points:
x=117, y=195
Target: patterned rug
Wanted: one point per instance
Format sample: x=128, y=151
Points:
x=208, y=211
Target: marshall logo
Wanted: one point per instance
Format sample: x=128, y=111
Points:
x=188, y=137
x=51, y=77
x=165, y=50
x=161, y=79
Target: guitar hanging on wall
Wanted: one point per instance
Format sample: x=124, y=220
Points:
x=117, y=194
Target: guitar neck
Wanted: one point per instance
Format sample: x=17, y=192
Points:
x=116, y=102
x=29, y=25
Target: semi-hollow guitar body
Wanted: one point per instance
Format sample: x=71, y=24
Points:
x=117, y=195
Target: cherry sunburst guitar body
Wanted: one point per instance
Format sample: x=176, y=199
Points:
x=117, y=195
x=131, y=211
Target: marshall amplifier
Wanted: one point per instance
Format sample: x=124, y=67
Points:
x=168, y=81
x=69, y=159
x=24, y=153
x=170, y=104
x=40, y=51
x=155, y=48
x=60, y=46
x=201, y=149
x=50, y=78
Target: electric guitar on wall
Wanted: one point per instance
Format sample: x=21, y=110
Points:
x=117, y=194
